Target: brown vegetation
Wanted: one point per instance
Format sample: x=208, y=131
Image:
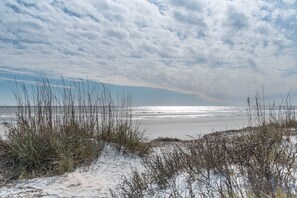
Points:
x=258, y=161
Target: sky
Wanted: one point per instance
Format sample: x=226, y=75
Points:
x=163, y=52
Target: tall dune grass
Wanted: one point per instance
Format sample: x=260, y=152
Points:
x=260, y=114
x=59, y=128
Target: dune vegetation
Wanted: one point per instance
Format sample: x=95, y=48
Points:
x=257, y=161
x=60, y=128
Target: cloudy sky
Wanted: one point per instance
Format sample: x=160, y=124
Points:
x=195, y=51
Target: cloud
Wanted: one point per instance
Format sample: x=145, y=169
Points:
x=187, y=4
x=290, y=2
x=189, y=18
x=236, y=20
x=213, y=49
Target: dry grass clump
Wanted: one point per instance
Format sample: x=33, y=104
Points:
x=125, y=135
x=260, y=161
x=59, y=128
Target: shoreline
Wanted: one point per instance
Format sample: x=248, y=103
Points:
x=183, y=128
x=189, y=128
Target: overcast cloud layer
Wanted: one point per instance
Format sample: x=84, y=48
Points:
x=214, y=49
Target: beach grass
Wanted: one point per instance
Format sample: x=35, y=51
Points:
x=60, y=128
x=257, y=161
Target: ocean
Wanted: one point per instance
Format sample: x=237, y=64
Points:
x=183, y=122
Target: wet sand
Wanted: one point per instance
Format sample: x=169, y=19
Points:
x=188, y=128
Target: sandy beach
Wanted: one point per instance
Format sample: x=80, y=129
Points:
x=189, y=128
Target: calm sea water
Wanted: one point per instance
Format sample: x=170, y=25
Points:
x=177, y=112
x=176, y=121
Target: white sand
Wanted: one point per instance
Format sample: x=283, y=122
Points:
x=2, y=130
x=104, y=174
